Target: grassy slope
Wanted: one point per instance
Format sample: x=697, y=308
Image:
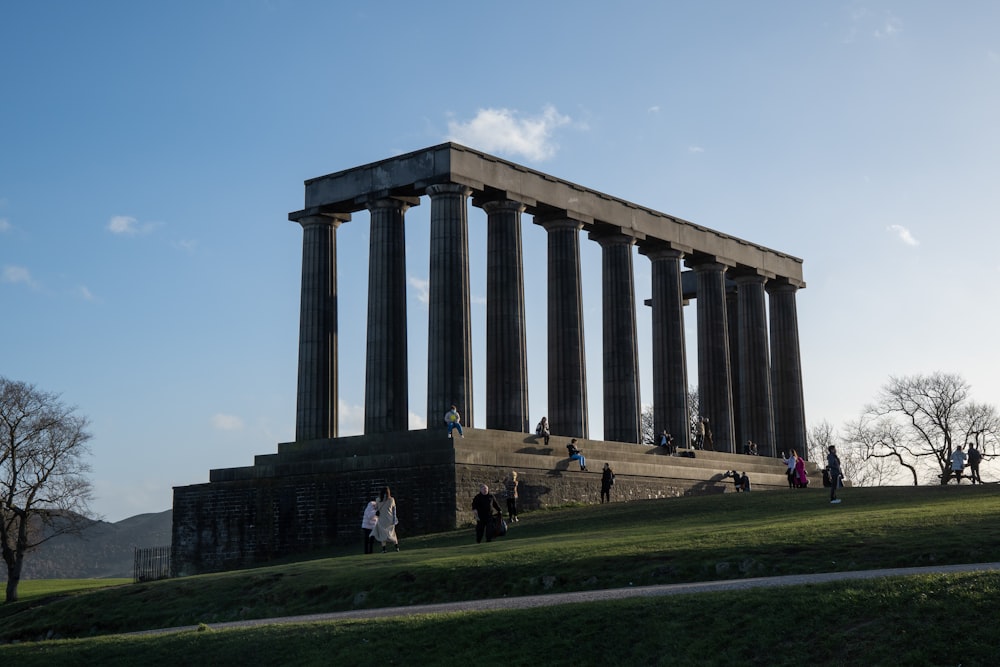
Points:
x=637, y=543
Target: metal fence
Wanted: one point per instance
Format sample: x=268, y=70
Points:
x=151, y=563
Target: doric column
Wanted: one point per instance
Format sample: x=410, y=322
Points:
x=786, y=369
x=386, y=373
x=670, y=383
x=756, y=411
x=506, y=350
x=714, y=379
x=567, y=367
x=449, y=337
x=733, y=324
x=316, y=400
x=620, y=353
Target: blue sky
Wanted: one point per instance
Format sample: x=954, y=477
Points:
x=151, y=152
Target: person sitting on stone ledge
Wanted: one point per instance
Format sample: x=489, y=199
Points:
x=453, y=421
x=542, y=430
x=576, y=455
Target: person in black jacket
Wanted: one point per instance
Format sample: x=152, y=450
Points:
x=483, y=507
x=607, y=481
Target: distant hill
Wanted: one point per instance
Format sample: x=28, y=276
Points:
x=102, y=550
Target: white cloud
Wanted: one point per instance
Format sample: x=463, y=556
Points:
x=85, y=293
x=17, y=275
x=422, y=288
x=695, y=149
x=225, y=422
x=416, y=422
x=653, y=109
x=129, y=226
x=5, y=225
x=502, y=131
x=187, y=245
x=892, y=27
x=904, y=234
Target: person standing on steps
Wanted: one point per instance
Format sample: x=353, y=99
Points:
x=607, y=481
x=454, y=421
x=576, y=455
x=385, y=527
x=483, y=507
x=833, y=465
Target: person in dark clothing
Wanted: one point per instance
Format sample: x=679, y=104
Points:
x=975, y=457
x=607, y=481
x=483, y=507
x=833, y=465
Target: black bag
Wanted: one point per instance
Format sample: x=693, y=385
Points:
x=497, y=526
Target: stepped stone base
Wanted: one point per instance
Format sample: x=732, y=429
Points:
x=311, y=495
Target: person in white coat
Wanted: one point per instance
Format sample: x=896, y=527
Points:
x=385, y=526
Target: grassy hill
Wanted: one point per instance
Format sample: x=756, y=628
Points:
x=909, y=620
x=102, y=549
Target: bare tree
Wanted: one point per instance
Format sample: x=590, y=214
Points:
x=647, y=432
x=43, y=490
x=916, y=422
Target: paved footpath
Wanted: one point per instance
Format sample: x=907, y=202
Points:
x=529, y=601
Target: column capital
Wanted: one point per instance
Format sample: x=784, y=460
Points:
x=316, y=216
x=500, y=205
x=613, y=237
x=783, y=284
x=401, y=203
x=448, y=189
x=655, y=249
x=555, y=222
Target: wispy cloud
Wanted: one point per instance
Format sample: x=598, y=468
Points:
x=904, y=234
x=17, y=275
x=126, y=225
x=84, y=293
x=224, y=422
x=5, y=225
x=422, y=288
x=653, y=109
x=891, y=26
x=505, y=131
x=187, y=245
x=695, y=149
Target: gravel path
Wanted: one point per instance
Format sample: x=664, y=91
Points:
x=529, y=601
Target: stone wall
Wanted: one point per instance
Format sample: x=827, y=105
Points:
x=311, y=495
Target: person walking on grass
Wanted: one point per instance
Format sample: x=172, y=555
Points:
x=958, y=463
x=385, y=526
x=510, y=491
x=975, y=457
x=833, y=465
x=483, y=507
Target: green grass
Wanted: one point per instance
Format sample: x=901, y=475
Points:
x=898, y=621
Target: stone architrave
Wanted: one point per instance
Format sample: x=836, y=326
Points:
x=620, y=352
x=786, y=369
x=567, y=367
x=316, y=398
x=756, y=411
x=714, y=379
x=670, y=384
x=506, y=348
x=449, y=338
x=386, y=372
